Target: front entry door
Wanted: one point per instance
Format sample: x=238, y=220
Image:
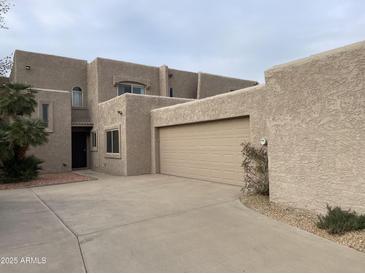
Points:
x=79, y=153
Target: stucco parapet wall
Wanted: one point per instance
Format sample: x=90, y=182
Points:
x=326, y=55
x=227, y=77
x=237, y=103
x=146, y=97
x=106, y=60
x=17, y=51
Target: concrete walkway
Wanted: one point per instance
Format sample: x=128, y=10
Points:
x=155, y=223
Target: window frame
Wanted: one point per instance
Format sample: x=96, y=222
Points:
x=49, y=126
x=112, y=154
x=72, y=97
x=44, y=119
x=92, y=147
x=132, y=85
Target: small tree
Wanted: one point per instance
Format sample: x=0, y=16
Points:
x=5, y=62
x=18, y=131
x=256, y=168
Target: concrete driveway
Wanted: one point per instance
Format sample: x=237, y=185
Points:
x=154, y=223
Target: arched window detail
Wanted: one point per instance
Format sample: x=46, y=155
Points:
x=130, y=87
x=77, y=97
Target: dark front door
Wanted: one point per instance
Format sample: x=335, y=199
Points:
x=79, y=153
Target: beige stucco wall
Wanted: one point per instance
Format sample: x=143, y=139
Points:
x=56, y=154
x=108, y=118
x=210, y=85
x=110, y=71
x=317, y=130
x=184, y=83
x=246, y=102
x=313, y=113
x=49, y=71
x=138, y=129
x=134, y=123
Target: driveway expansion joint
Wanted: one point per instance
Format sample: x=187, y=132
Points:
x=74, y=234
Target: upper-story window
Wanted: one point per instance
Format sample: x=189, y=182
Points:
x=45, y=114
x=77, y=97
x=130, y=88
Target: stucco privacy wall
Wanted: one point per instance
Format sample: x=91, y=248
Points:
x=130, y=113
x=138, y=129
x=210, y=85
x=56, y=153
x=317, y=130
x=246, y=102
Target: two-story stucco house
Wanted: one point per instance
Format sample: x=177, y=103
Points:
x=98, y=113
x=131, y=119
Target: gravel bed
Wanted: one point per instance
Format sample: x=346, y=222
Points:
x=303, y=219
x=48, y=179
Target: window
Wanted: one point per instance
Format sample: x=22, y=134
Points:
x=171, y=92
x=130, y=88
x=93, y=140
x=112, y=141
x=77, y=97
x=45, y=114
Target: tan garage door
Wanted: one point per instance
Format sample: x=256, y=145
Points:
x=209, y=151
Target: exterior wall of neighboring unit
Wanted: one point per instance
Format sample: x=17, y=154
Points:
x=317, y=130
x=56, y=154
x=210, y=85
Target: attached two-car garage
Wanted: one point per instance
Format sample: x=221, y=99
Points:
x=206, y=150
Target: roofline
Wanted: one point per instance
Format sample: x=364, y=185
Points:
x=229, y=77
x=50, y=55
x=130, y=63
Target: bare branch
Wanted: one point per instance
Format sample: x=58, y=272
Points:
x=4, y=8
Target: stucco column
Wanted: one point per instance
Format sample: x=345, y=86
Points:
x=164, y=80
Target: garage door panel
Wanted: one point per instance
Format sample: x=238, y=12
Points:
x=207, y=151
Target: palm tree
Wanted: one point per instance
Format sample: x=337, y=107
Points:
x=18, y=131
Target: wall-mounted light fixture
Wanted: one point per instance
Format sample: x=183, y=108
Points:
x=27, y=67
x=263, y=141
x=120, y=112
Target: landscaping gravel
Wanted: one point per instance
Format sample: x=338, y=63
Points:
x=303, y=219
x=48, y=179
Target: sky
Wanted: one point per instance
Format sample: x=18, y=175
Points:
x=237, y=38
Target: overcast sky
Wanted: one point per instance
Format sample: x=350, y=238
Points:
x=234, y=38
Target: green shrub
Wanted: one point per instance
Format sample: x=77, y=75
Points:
x=15, y=170
x=256, y=169
x=339, y=221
